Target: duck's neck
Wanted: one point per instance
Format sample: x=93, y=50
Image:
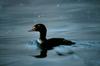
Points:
x=43, y=35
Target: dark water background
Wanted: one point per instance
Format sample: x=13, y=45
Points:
x=76, y=20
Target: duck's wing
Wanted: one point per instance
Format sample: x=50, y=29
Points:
x=59, y=41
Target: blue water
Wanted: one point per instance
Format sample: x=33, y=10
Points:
x=76, y=20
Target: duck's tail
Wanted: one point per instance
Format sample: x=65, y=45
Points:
x=68, y=42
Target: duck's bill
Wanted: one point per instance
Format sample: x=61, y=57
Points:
x=30, y=30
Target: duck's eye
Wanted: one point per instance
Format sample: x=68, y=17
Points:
x=38, y=25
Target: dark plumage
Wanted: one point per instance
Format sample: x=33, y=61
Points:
x=48, y=44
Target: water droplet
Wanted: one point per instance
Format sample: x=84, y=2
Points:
x=58, y=5
x=39, y=16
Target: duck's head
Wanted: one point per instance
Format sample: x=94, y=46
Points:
x=38, y=27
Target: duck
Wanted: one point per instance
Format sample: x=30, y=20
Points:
x=47, y=44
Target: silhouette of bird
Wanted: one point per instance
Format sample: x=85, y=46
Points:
x=47, y=44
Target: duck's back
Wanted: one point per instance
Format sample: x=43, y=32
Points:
x=58, y=41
